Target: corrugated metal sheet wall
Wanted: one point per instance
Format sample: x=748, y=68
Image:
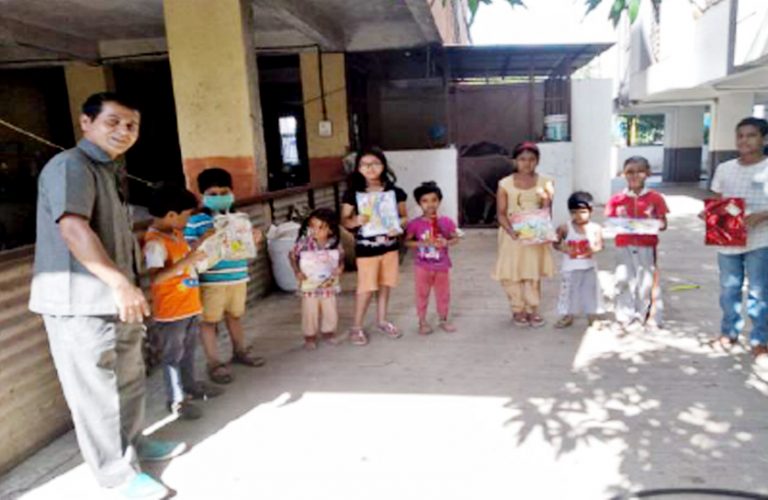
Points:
x=32, y=408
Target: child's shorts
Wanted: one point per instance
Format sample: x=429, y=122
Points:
x=374, y=272
x=220, y=299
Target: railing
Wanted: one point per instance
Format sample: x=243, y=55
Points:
x=32, y=407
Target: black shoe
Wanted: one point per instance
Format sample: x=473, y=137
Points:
x=201, y=390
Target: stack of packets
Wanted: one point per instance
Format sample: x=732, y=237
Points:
x=319, y=267
x=232, y=240
x=724, y=219
x=382, y=213
x=533, y=227
x=623, y=225
x=430, y=251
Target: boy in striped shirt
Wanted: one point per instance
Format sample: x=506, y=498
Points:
x=223, y=287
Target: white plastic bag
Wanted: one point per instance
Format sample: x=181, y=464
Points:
x=280, y=241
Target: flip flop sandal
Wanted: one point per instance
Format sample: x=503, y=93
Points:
x=536, y=321
x=357, y=336
x=447, y=326
x=247, y=358
x=390, y=330
x=219, y=374
x=564, y=322
x=425, y=329
x=520, y=319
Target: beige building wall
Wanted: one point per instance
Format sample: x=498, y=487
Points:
x=325, y=152
x=83, y=80
x=215, y=86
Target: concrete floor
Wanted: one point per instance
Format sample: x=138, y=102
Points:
x=490, y=412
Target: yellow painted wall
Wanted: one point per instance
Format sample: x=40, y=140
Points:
x=336, y=103
x=208, y=53
x=82, y=81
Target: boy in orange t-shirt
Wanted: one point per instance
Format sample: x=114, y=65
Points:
x=175, y=292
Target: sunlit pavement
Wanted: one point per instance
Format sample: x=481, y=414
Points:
x=489, y=412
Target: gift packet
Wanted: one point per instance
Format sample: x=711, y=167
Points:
x=724, y=218
x=533, y=227
x=232, y=240
x=319, y=267
x=580, y=249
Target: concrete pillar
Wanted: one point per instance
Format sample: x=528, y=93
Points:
x=683, y=138
x=83, y=80
x=592, y=137
x=325, y=151
x=727, y=111
x=216, y=90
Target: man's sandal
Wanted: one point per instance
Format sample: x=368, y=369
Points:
x=247, y=358
x=219, y=373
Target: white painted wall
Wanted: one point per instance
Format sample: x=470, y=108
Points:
x=684, y=127
x=654, y=155
x=751, y=35
x=727, y=111
x=593, y=159
x=416, y=166
x=694, y=48
x=557, y=162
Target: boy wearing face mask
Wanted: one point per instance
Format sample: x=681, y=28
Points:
x=223, y=287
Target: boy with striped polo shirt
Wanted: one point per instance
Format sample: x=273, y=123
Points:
x=223, y=287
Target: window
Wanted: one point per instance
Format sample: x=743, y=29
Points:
x=288, y=135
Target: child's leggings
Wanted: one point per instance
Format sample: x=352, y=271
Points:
x=441, y=282
x=319, y=315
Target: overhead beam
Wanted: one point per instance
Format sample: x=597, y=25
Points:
x=48, y=40
x=308, y=22
x=422, y=14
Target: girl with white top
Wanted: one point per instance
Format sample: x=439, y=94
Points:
x=578, y=240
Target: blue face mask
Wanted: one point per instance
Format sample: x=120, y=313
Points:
x=218, y=203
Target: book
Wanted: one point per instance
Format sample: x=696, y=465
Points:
x=381, y=209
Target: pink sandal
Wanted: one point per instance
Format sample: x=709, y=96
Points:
x=390, y=330
x=357, y=336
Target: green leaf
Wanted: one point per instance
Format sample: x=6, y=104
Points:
x=592, y=5
x=616, y=9
x=634, y=9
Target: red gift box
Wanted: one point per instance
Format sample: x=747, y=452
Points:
x=579, y=249
x=725, y=222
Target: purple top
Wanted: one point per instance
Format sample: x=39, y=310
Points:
x=422, y=229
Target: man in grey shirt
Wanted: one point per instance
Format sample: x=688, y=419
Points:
x=84, y=286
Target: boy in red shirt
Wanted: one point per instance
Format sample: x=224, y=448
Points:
x=638, y=299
